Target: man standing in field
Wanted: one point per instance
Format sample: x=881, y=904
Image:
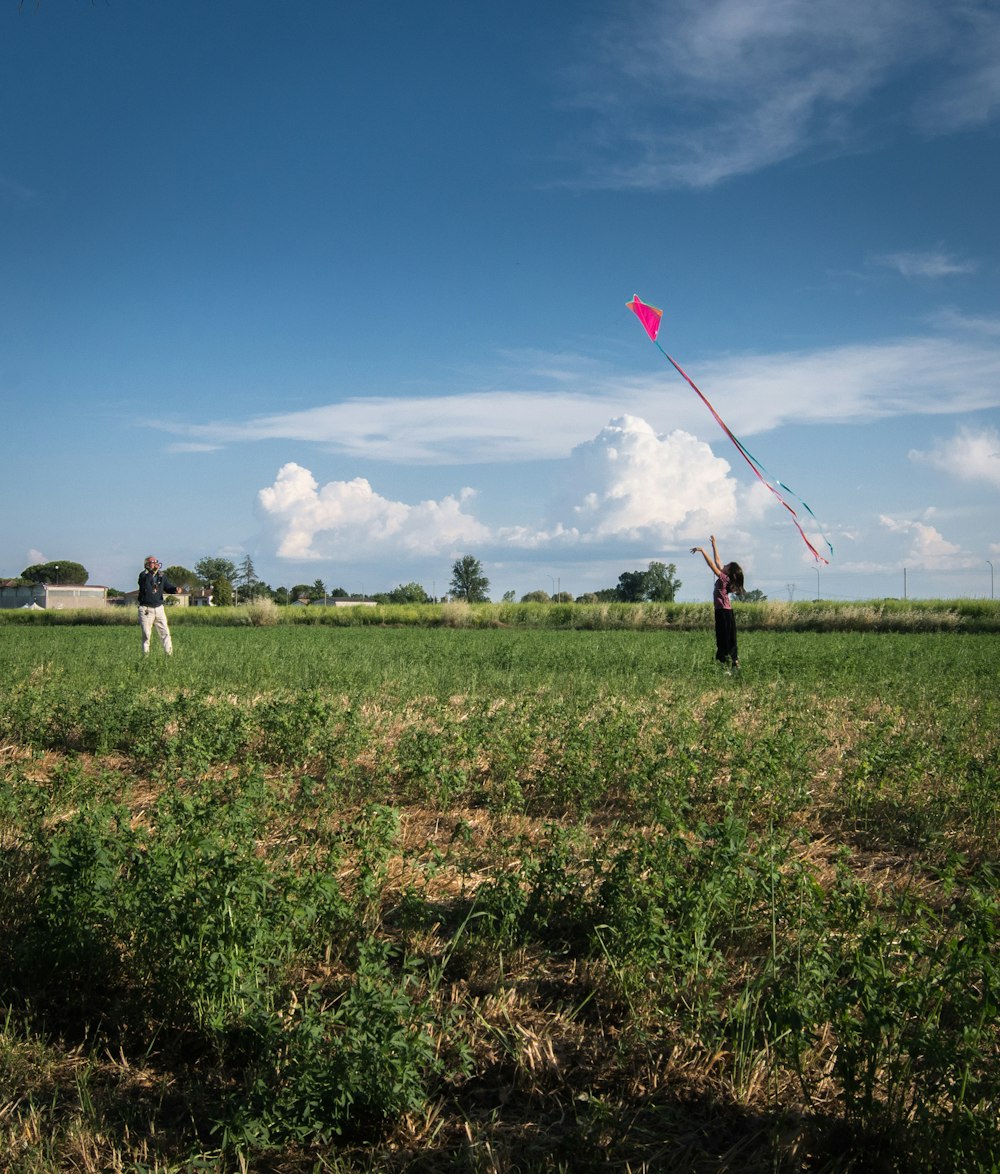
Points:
x=152, y=585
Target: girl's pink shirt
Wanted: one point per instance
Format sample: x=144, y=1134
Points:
x=720, y=595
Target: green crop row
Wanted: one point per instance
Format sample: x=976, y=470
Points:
x=495, y=899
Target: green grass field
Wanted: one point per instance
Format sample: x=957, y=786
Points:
x=501, y=896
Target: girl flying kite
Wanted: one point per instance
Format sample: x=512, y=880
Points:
x=728, y=578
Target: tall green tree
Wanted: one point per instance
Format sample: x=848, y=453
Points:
x=246, y=577
x=57, y=571
x=222, y=592
x=181, y=576
x=631, y=586
x=468, y=581
x=662, y=583
x=209, y=569
x=658, y=583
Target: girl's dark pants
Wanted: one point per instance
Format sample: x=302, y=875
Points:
x=725, y=635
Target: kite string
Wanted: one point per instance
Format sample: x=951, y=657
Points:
x=758, y=469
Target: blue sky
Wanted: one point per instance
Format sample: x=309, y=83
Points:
x=343, y=287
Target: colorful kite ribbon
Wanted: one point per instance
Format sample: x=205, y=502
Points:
x=651, y=317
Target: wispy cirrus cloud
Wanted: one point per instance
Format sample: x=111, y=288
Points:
x=550, y=414
x=193, y=446
x=952, y=320
x=968, y=94
x=690, y=93
x=933, y=263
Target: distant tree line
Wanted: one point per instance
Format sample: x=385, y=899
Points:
x=232, y=582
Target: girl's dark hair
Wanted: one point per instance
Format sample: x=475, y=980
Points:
x=735, y=574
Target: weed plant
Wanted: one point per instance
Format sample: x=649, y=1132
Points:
x=484, y=898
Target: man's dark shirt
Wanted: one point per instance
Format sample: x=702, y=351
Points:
x=151, y=587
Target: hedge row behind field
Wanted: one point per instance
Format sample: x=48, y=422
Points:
x=887, y=615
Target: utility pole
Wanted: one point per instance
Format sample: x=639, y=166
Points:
x=816, y=569
x=904, y=582
x=990, y=565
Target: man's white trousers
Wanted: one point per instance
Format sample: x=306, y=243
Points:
x=150, y=618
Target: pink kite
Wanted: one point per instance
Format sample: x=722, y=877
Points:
x=651, y=317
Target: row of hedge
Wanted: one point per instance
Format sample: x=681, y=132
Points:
x=887, y=615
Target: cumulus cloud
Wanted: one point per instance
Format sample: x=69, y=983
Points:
x=692, y=92
x=928, y=549
x=349, y=519
x=627, y=484
x=637, y=484
x=970, y=455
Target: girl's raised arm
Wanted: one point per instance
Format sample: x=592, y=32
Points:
x=713, y=565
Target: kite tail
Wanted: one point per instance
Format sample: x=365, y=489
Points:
x=754, y=464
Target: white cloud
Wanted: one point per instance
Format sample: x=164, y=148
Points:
x=35, y=557
x=934, y=263
x=970, y=455
x=921, y=376
x=627, y=484
x=193, y=446
x=695, y=91
x=348, y=519
x=928, y=550
x=635, y=484
x=753, y=393
x=469, y=428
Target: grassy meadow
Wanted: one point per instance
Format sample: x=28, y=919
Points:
x=516, y=888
